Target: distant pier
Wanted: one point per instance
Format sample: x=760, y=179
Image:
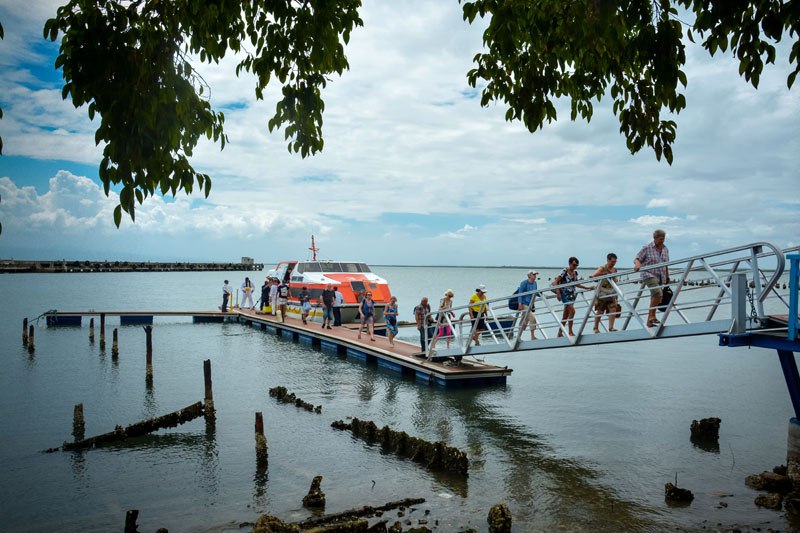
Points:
x=14, y=266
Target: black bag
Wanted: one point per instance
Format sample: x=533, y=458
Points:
x=666, y=298
x=513, y=302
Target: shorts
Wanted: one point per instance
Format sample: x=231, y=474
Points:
x=532, y=320
x=367, y=319
x=653, y=285
x=445, y=331
x=479, y=323
x=327, y=313
x=282, y=301
x=605, y=304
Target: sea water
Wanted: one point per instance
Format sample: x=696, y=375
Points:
x=582, y=438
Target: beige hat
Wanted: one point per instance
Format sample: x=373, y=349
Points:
x=481, y=288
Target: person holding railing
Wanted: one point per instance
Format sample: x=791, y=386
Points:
x=653, y=253
x=443, y=329
x=477, y=312
x=566, y=295
x=524, y=300
x=422, y=314
x=606, y=299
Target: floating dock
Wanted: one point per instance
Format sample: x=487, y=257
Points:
x=402, y=358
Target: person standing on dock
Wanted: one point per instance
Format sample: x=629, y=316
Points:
x=477, y=312
x=273, y=296
x=422, y=314
x=367, y=312
x=327, y=298
x=338, y=301
x=283, y=299
x=525, y=300
x=653, y=253
x=390, y=314
x=227, y=290
x=265, y=294
x=566, y=295
x=247, y=293
x=305, y=304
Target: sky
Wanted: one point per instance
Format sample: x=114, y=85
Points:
x=414, y=171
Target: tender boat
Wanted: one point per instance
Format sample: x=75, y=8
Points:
x=351, y=278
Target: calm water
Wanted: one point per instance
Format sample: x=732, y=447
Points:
x=579, y=439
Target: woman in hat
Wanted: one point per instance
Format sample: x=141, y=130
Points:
x=477, y=311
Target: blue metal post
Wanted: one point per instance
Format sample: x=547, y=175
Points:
x=789, y=367
x=794, y=286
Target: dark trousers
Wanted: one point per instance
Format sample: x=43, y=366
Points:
x=225, y=303
x=337, y=316
x=431, y=331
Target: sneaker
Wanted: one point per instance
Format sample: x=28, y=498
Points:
x=330, y=327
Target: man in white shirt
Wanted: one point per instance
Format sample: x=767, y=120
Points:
x=338, y=300
x=226, y=294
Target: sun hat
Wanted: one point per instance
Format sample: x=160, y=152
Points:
x=481, y=288
x=533, y=272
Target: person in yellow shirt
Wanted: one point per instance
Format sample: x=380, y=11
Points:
x=477, y=312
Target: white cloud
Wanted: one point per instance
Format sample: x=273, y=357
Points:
x=652, y=220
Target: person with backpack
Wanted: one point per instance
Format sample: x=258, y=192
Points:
x=283, y=299
x=305, y=304
x=566, y=295
x=524, y=301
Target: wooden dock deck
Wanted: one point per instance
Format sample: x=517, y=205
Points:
x=400, y=358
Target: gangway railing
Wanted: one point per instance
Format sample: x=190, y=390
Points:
x=702, y=303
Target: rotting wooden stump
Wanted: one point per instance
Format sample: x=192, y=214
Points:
x=24, y=331
x=130, y=521
x=78, y=423
x=115, y=343
x=433, y=455
x=499, y=519
x=315, y=499
x=31, y=339
x=675, y=495
x=261, y=443
x=170, y=420
x=284, y=396
x=706, y=430
x=91, y=330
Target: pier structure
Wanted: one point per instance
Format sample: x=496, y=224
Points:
x=403, y=358
x=15, y=266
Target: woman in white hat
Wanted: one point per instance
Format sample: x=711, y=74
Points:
x=477, y=311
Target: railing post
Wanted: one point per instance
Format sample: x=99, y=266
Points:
x=738, y=303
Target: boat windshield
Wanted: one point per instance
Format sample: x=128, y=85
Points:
x=328, y=266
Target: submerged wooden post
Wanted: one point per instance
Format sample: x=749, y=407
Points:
x=31, y=342
x=130, y=521
x=261, y=443
x=148, y=331
x=208, y=400
x=25, y=331
x=102, y=331
x=91, y=330
x=114, y=344
x=78, y=424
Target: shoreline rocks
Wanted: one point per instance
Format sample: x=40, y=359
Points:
x=284, y=396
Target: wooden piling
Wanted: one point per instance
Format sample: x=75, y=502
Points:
x=103, y=329
x=208, y=400
x=31, y=342
x=78, y=424
x=130, y=521
x=114, y=344
x=91, y=330
x=261, y=442
x=148, y=331
x=24, y=331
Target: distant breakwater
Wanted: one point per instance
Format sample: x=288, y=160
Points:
x=13, y=266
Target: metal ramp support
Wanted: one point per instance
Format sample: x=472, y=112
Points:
x=703, y=303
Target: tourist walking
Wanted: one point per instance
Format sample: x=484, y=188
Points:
x=566, y=295
x=443, y=328
x=525, y=301
x=247, y=294
x=327, y=298
x=653, y=253
x=273, y=296
x=477, y=312
x=283, y=299
x=605, y=301
x=424, y=323
x=390, y=314
x=366, y=311
x=338, y=302
x=227, y=290
x=305, y=304
x=265, y=294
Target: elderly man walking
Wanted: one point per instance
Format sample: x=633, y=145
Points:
x=653, y=253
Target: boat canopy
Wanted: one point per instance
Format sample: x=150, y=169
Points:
x=331, y=266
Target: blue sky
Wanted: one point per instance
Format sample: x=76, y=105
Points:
x=414, y=171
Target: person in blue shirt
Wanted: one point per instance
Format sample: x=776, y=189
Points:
x=524, y=300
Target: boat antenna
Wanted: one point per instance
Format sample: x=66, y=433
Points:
x=313, y=249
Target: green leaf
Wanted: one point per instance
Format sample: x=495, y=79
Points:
x=117, y=216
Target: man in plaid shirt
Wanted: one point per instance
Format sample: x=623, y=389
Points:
x=651, y=254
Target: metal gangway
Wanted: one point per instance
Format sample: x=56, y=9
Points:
x=733, y=290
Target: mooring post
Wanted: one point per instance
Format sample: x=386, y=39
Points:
x=31, y=342
x=261, y=442
x=114, y=344
x=25, y=331
x=148, y=332
x=208, y=400
x=91, y=330
x=103, y=329
x=130, y=521
x=78, y=424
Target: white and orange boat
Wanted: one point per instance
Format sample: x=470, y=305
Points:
x=351, y=278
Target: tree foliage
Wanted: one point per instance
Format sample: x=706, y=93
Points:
x=130, y=62
x=539, y=51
